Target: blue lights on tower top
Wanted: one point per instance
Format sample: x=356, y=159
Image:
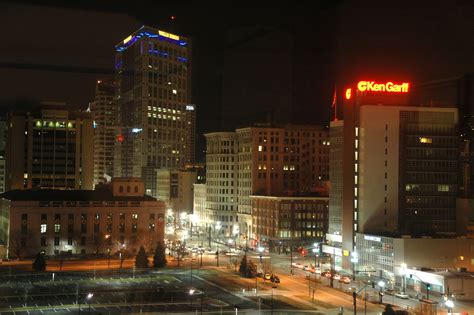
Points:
x=148, y=33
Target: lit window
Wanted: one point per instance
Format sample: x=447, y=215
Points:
x=356, y=131
x=57, y=228
x=175, y=92
x=43, y=228
x=425, y=140
x=135, y=216
x=260, y=148
x=443, y=188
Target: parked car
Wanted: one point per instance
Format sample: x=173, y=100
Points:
x=336, y=276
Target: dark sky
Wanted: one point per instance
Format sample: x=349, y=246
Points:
x=333, y=42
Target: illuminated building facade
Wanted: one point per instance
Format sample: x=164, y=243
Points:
x=175, y=189
x=49, y=148
x=114, y=217
x=280, y=161
x=221, y=183
x=199, y=206
x=103, y=113
x=289, y=222
x=263, y=161
x=155, y=118
x=394, y=170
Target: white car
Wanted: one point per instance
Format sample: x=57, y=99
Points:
x=401, y=295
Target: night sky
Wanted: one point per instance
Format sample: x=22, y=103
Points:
x=284, y=54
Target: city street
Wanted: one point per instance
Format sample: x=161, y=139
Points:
x=183, y=289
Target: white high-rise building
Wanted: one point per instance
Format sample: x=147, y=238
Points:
x=104, y=115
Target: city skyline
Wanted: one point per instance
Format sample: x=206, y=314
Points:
x=234, y=156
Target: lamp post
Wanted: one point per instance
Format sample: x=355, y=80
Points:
x=121, y=255
x=381, y=285
x=89, y=297
x=260, y=251
x=450, y=305
x=403, y=271
x=354, y=261
x=316, y=251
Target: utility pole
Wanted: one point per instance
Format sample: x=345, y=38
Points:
x=291, y=257
x=209, y=236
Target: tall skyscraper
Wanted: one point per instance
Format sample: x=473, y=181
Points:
x=104, y=115
x=155, y=117
x=49, y=148
x=393, y=168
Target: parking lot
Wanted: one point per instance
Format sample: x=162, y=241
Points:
x=109, y=292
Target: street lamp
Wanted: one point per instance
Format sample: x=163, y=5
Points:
x=89, y=297
x=403, y=271
x=354, y=261
x=121, y=255
x=381, y=285
x=316, y=253
x=260, y=250
x=450, y=305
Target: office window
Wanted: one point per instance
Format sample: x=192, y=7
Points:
x=57, y=228
x=43, y=228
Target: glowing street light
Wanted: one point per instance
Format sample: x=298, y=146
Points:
x=381, y=285
x=450, y=305
x=403, y=271
x=89, y=297
x=354, y=261
x=260, y=250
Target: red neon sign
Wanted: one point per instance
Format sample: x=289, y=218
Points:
x=371, y=86
x=348, y=94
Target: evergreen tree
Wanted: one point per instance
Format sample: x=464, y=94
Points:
x=159, y=258
x=243, y=265
x=39, y=264
x=141, y=261
x=247, y=268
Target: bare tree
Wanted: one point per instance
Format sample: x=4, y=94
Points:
x=98, y=241
x=16, y=245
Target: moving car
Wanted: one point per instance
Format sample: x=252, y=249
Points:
x=345, y=279
x=401, y=295
x=267, y=276
x=326, y=274
x=275, y=279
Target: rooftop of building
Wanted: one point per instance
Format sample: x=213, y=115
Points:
x=150, y=32
x=101, y=194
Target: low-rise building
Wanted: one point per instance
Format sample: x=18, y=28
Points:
x=384, y=256
x=112, y=218
x=281, y=223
